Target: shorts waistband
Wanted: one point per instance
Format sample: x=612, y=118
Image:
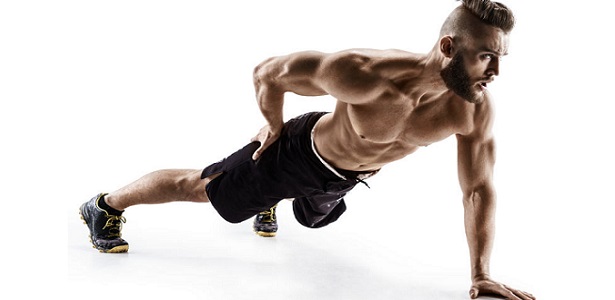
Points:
x=322, y=160
x=360, y=175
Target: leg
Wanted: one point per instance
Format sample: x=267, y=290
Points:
x=103, y=213
x=161, y=187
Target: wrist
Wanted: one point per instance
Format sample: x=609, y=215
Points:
x=276, y=125
x=276, y=128
x=275, y=121
x=480, y=277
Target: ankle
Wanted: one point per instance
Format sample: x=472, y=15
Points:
x=109, y=206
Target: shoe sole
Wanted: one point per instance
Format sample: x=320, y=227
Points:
x=265, y=233
x=116, y=249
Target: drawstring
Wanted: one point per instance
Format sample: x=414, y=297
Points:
x=363, y=182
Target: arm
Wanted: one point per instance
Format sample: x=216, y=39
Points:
x=353, y=76
x=476, y=159
x=272, y=79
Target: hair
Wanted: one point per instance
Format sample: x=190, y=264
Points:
x=492, y=13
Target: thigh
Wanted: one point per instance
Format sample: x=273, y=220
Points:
x=234, y=186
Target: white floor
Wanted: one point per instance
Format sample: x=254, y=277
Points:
x=185, y=251
x=198, y=256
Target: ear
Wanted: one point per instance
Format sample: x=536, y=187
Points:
x=446, y=46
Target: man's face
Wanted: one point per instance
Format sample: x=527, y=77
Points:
x=476, y=64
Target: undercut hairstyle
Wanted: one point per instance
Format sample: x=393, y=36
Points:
x=492, y=13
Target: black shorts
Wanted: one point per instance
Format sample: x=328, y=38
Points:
x=289, y=168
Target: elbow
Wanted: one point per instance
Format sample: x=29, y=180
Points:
x=257, y=77
x=480, y=193
x=262, y=72
x=260, y=81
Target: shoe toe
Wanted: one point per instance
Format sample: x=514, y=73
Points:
x=107, y=245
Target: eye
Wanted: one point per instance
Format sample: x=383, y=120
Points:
x=487, y=56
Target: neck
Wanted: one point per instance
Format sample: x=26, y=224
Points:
x=429, y=81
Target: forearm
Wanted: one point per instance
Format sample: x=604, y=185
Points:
x=271, y=104
x=269, y=95
x=479, y=217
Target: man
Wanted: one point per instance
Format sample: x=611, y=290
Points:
x=389, y=103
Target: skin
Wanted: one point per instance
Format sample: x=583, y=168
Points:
x=389, y=104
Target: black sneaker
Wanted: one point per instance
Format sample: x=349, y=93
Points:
x=105, y=229
x=265, y=223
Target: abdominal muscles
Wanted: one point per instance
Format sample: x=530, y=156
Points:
x=366, y=147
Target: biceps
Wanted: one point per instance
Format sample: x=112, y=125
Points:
x=475, y=162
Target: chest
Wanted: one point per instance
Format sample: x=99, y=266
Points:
x=418, y=125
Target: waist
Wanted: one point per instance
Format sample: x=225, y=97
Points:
x=341, y=173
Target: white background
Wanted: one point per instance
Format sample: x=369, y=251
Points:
x=95, y=94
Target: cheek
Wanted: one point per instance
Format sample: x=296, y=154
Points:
x=477, y=68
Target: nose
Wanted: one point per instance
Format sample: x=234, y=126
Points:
x=494, y=67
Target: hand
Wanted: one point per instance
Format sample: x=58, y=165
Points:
x=266, y=136
x=490, y=287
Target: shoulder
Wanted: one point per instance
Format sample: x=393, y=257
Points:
x=479, y=118
x=348, y=59
x=373, y=59
x=348, y=62
x=361, y=66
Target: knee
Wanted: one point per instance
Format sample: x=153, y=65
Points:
x=192, y=187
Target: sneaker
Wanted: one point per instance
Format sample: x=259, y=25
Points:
x=105, y=228
x=265, y=223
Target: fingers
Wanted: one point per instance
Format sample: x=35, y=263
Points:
x=521, y=294
x=261, y=139
x=514, y=294
x=261, y=149
x=473, y=293
x=257, y=153
x=499, y=289
x=266, y=137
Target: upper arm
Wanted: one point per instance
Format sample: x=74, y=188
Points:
x=352, y=76
x=296, y=72
x=359, y=75
x=476, y=151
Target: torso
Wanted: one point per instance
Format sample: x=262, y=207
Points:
x=390, y=124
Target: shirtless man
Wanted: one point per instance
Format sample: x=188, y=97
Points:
x=389, y=103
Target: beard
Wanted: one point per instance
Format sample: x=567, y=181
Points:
x=458, y=80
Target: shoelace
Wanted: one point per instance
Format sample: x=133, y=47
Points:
x=115, y=225
x=269, y=215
